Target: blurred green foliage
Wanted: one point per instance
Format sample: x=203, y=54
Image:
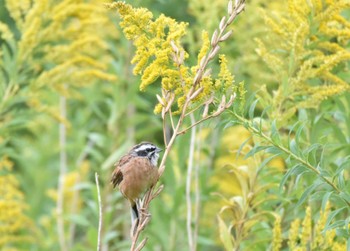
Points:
x=249, y=174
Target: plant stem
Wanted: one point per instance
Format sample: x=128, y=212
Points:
x=254, y=130
x=100, y=218
x=197, y=192
x=62, y=173
x=188, y=186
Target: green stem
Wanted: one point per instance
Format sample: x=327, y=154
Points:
x=254, y=130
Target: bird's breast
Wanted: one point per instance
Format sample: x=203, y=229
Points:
x=138, y=176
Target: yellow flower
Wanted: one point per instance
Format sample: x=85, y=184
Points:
x=225, y=75
x=293, y=234
x=15, y=226
x=277, y=234
x=307, y=229
x=205, y=47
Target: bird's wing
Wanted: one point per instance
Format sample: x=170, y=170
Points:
x=117, y=175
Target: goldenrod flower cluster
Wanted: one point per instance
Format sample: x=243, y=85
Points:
x=310, y=54
x=59, y=48
x=277, y=235
x=225, y=75
x=303, y=235
x=15, y=227
x=160, y=56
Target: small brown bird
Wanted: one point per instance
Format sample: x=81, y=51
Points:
x=135, y=173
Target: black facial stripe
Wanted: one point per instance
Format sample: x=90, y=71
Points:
x=146, y=151
x=142, y=153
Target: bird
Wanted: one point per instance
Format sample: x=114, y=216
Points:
x=134, y=174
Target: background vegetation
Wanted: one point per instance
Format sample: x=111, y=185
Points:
x=271, y=173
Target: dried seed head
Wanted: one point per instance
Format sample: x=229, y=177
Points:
x=205, y=112
x=214, y=52
x=142, y=243
x=196, y=93
x=237, y=2
x=174, y=57
x=230, y=8
x=232, y=98
x=160, y=100
x=207, y=72
x=159, y=190
x=182, y=57
x=214, y=38
x=170, y=102
x=226, y=36
x=201, y=64
x=240, y=8
x=196, y=78
x=173, y=45
x=210, y=100
x=223, y=100
x=231, y=18
x=222, y=23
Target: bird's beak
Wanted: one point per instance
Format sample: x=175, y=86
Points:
x=159, y=150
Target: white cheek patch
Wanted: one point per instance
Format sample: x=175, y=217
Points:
x=144, y=147
x=154, y=159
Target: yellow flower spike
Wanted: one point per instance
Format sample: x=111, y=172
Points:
x=293, y=234
x=205, y=47
x=15, y=226
x=158, y=108
x=307, y=229
x=319, y=240
x=225, y=75
x=277, y=234
x=5, y=32
x=155, y=40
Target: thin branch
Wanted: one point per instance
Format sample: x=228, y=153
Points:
x=197, y=192
x=100, y=218
x=188, y=187
x=62, y=173
x=164, y=133
x=195, y=109
x=150, y=195
x=198, y=122
x=171, y=119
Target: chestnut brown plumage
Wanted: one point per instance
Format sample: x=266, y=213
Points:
x=135, y=173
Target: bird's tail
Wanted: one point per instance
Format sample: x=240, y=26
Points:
x=134, y=219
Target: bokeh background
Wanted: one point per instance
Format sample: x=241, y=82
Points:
x=70, y=107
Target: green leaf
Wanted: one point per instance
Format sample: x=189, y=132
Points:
x=255, y=150
x=225, y=235
x=325, y=199
x=345, y=196
x=274, y=133
x=341, y=181
x=330, y=218
x=242, y=145
x=307, y=192
x=293, y=147
x=252, y=109
x=79, y=219
x=343, y=165
x=298, y=168
x=273, y=150
x=267, y=160
x=299, y=131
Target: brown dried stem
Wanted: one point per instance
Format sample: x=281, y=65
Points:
x=219, y=36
